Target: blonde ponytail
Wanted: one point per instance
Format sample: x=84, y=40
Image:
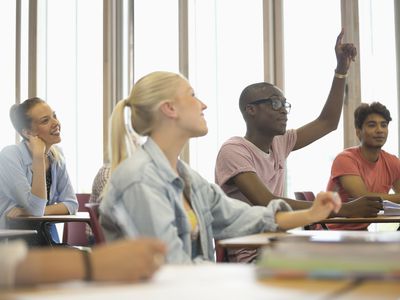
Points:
x=144, y=100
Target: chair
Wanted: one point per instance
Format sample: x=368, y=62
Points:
x=93, y=209
x=220, y=253
x=309, y=196
x=75, y=232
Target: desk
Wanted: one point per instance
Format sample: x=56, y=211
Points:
x=43, y=220
x=197, y=282
x=15, y=233
x=377, y=219
x=81, y=216
x=374, y=290
x=256, y=241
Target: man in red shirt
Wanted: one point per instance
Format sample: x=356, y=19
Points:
x=367, y=170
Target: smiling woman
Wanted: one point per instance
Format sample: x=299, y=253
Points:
x=33, y=174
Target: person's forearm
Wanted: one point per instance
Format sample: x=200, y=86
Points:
x=298, y=204
x=294, y=204
x=39, y=177
x=333, y=106
x=391, y=197
x=50, y=266
x=293, y=219
x=56, y=209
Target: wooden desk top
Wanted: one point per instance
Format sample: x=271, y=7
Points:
x=382, y=290
x=378, y=219
x=8, y=233
x=319, y=289
x=81, y=216
x=254, y=241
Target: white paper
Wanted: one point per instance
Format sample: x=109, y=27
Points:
x=390, y=208
x=195, y=282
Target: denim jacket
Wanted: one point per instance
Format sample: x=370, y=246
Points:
x=144, y=198
x=16, y=184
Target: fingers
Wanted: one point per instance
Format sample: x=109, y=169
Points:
x=373, y=202
x=154, y=246
x=354, y=54
x=372, y=198
x=13, y=213
x=337, y=202
x=16, y=212
x=339, y=38
x=153, y=255
x=330, y=200
x=349, y=50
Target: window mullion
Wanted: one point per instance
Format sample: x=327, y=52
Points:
x=350, y=21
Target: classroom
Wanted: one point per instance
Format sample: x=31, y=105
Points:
x=285, y=100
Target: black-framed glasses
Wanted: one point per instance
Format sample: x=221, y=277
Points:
x=276, y=104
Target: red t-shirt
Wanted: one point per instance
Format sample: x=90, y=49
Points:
x=378, y=176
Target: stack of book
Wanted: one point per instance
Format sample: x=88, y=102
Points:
x=346, y=255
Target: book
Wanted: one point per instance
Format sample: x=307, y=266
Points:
x=390, y=208
x=324, y=259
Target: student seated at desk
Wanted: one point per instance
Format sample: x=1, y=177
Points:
x=153, y=193
x=33, y=176
x=122, y=261
x=252, y=168
x=101, y=179
x=366, y=170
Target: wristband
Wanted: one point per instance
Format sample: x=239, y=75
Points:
x=341, y=76
x=87, y=264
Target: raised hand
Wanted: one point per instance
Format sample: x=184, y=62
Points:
x=345, y=54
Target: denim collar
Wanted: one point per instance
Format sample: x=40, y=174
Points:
x=163, y=166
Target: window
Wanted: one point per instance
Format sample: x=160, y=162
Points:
x=310, y=62
x=156, y=35
x=378, y=61
x=70, y=80
x=7, y=62
x=225, y=55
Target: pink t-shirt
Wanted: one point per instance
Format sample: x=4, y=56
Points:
x=378, y=176
x=238, y=155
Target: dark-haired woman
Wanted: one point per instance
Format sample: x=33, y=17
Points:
x=33, y=176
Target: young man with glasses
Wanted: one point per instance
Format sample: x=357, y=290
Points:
x=252, y=168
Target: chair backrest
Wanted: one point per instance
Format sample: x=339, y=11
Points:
x=220, y=253
x=83, y=198
x=307, y=196
x=93, y=209
x=75, y=232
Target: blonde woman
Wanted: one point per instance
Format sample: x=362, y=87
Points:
x=154, y=193
x=33, y=176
